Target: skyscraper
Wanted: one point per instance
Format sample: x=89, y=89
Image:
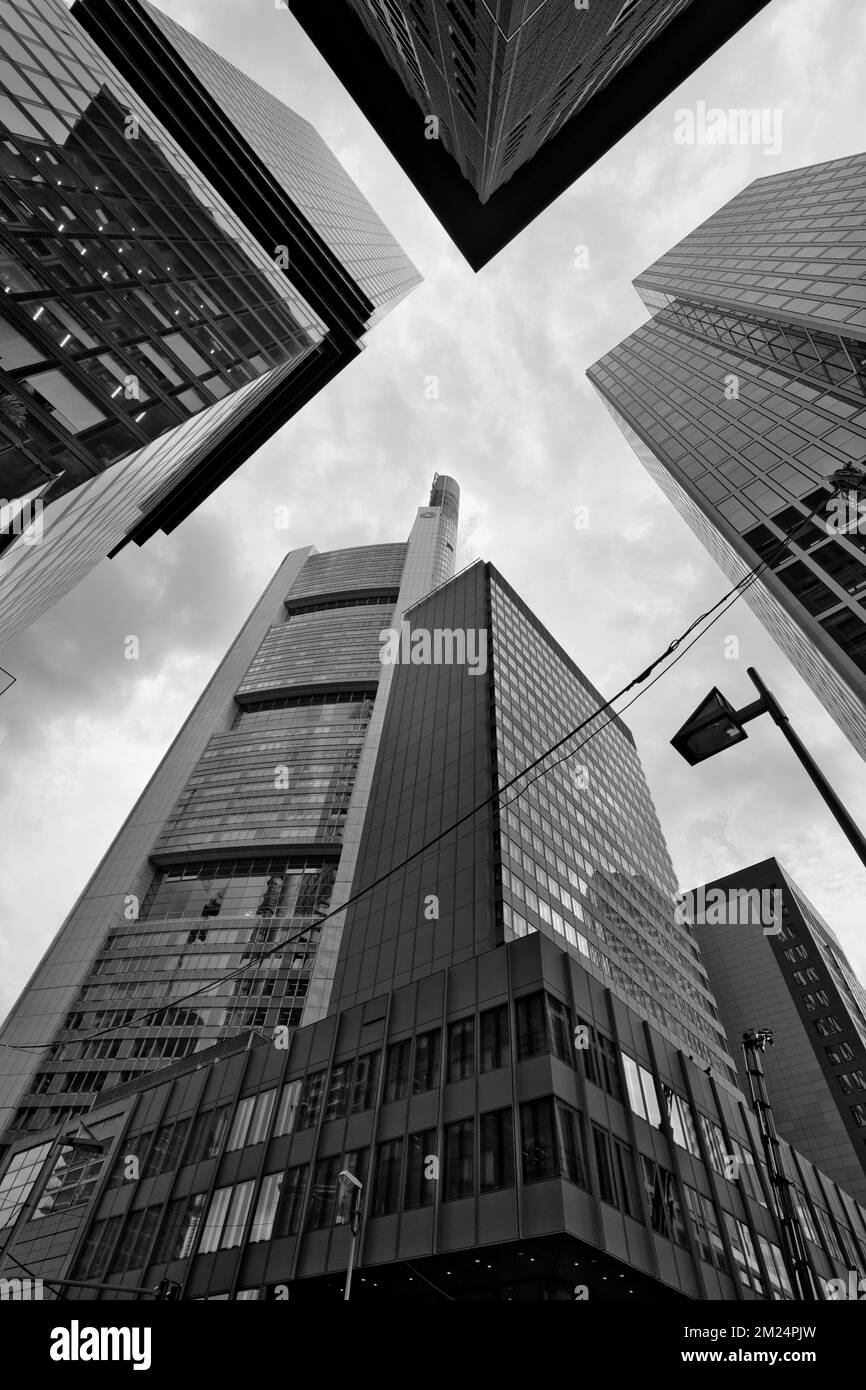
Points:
x=516, y=1059
x=248, y=829
x=798, y=982
x=494, y=109
x=185, y=263
x=745, y=389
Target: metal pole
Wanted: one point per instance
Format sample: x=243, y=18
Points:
x=348, y=1289
x=786, y=1213
x=837, y=809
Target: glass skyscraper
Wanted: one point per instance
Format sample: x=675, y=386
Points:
x=576, y=854
x=248, y=830
x=483, y=99
x=509, y=1040
x=745, y=389
x=163, y=310
x=798, y=982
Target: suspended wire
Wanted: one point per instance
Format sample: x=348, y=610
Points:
x=718, y=609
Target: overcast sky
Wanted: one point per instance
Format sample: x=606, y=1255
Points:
x=528, y=440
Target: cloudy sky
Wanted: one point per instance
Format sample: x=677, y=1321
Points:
x=527, y=439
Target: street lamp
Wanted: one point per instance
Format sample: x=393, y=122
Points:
x=715, y=725
x=348, y=1203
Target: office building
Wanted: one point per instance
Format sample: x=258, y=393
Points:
x=746, y=389
x=797, y=982
x=493, y=109
x=184, y=264
x=508, y=1036
x=247, y=831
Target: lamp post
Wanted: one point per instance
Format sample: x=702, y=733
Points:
x=715, y=725
x=348, y=1203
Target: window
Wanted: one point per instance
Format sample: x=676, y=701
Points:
x=134, y=1243
x=323, y=1194
x=215, y=1220
x=805, y=1214
x=840, y=1052
x=531, y=1027
x=386, y=1190
x=238, y=1211
x=97, y=1243
x=780, y=1284
x=461, y=1049
x=425, y=1074
x=666, y=1215
x=288, y=1108
x=681, y=1121
x=604, y=1167
x=709, y=1239
x=459, y=1146
x=338, y=1091
x=600, y=1061
x=291, y=1197
x=311, y=1100
x=208, y=1133
x=133, y=1146
x=551, y=1142
x=397, y=1071
x=364, y=1085
x=495, y=1048
x=858, y=1115
x=641, y=1091
x=72, y=1181
x=745, y=1258
x=241, y=1124
x=543, y=1025
x=827, y=1025
x=497, y=1150
x=266, y=1208
x=715, y=1141
x=419, y=1190
x=167, y=1149
x=559, y=1025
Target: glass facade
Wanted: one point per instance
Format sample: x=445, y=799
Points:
x=746, y=389
x=133, y=298
x=503, y=79
x=241, y=1152
x=142, y=319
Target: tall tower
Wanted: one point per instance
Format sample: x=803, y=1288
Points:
x=174, y=286
x=249, y=828
x=746, y=389
x=797, y=982
x=494, y=107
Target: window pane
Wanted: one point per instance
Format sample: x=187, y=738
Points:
x=495, y=1047
x=397, y=1071
x=497, y=1150
x=386, y=1193
x=237, y=1215
x=266, y=1208
x=461, y=1050
x=338, y=1091
x=323, y=1194
x=531, y=1030
x=364, y=1087
x=264, y=1108
x=459, y=1159
x=215, y=1218
x=241, y=1123
x=288, y=1108
x=291, y=1197
x=538, y=1150
x=311, y=1100
x=425, y=1076
x=419, y=1189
